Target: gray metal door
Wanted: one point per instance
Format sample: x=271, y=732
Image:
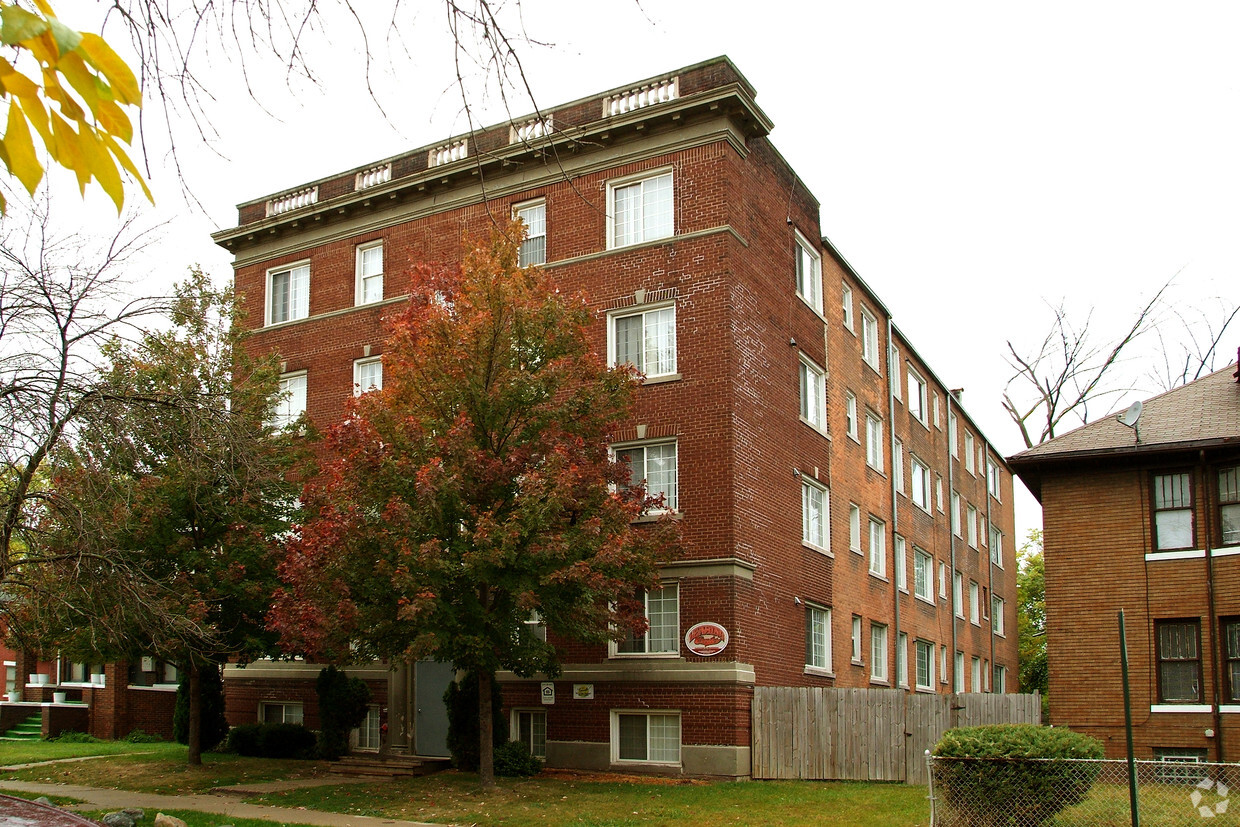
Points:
x=431, y=732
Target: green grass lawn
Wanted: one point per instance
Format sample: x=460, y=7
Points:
x=192, y=818
x=26, y=752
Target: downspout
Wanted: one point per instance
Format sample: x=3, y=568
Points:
x=1215, y=640
x=895, y=511
x=990, y=570
x=953, y=513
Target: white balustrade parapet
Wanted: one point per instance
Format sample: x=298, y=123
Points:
x=448, y=153
x=530, y=130
x=641, y=97
x=373, y=177
x=292, y=201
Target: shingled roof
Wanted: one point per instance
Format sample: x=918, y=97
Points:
x=1202, y=413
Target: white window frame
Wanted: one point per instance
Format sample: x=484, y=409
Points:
x=958, y=672
x=975, y=603
x=902, y=660
x=924, y=678
x=809, y=289
x=854, y=528
x=856, y=639
x=958, y=594
x=975, y=674
x=874, y=441
x=642, y=179
x=901, y=558
x=955, y=515
x=943, y=663
x=936, y=411
x=923, y=588
x=970, y=523
x=299, y=300
x=290, y=401
x=878, y=652
x=917, y=396
x=671, y=502
x=994, y=480
x=362, y=277
x=942, y=580
x=850, y=416
x=996, y=546
x=938, y=491
x=665, y=714
x=846, y=301
x=953, y=435
x=514, y=728
x=285, y=707
x=997, y=624
x=645, y=311
x=897, y=464
x=869, y=339
x=970, y=461
x=534, y=230
x=1000, y=682
x=878, y=547
x=817, y=639
x=815, y=514
x=921, y=494
x=673, y=642
x=359, y=366
x=813, y=383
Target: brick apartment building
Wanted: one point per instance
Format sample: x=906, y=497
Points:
x=1146, y=519
x=845, y=521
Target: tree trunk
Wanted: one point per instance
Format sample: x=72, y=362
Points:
x=195, y=715
x=486, y=752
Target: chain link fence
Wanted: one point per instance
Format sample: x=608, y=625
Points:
x=971, y=792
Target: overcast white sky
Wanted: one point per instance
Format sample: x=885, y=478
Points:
x=973, y=160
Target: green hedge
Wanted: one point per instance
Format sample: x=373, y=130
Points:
x=271, y=741
x=1000, y=777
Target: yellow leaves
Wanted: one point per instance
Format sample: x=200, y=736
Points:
x=76, y=109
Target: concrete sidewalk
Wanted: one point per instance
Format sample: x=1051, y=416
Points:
x=225, y=805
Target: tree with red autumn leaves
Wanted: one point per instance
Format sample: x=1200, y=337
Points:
x=475, y=490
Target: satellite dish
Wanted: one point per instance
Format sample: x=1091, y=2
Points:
x=1132, y=415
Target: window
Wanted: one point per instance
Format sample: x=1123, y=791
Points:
x=1231, y=651
x=288, y=294
x=368, y=736
x=367, y=375
x=921, y=485
x=958, y=593
x=1173, y=511
x=952, y=439
x=878, y=652
x=535, y=626
x=938, y=491
x=813, y=394
x=854, y=527
x=993, y=480
x=290, y=402
x=640, y=210
x=850, y=415
x=79, y=672
x=1175, y=765
x=150, y=671
x=809, y=274
x=971, y=525
x=847, y=302
x=815, y=514
x=893, y=373
x=955, y=514
x=975, y=603
x=942, y=580
x=856, y=639
x=646, y=340
x=969, y=464
x=533, y=248
x=923, y=575
x=869, y=338
x=656, y=466
x=280, y=713
x=530, y=728
x=878, y=547
x=874, y=442
x=1000, y=683
x=902, y=659
x=663, y=613
x=958, y=672
x=897, y=465
x=1179, y=661
x=1229, y=505
x=818, y=638
x=369, y=273
x=647, y=737
x=924, y=653
x=996, y=615
x=996, y=546
x=901, y=564
x=943, y=663
x=936, y=412
x=975, y=684
x=917, y=396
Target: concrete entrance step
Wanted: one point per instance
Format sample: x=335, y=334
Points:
x=389, y=766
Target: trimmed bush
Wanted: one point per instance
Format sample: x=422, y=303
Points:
x=140, y=737
x=214, y=724
x=342, y=706
x=513, y=760
x=271, y=741
x=462, y=702
x=1000, y=775
x=70, y=736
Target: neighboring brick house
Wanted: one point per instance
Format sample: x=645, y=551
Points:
x=779, y=400
x=1146, y=519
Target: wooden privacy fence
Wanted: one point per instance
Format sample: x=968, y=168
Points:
x=866, y=734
